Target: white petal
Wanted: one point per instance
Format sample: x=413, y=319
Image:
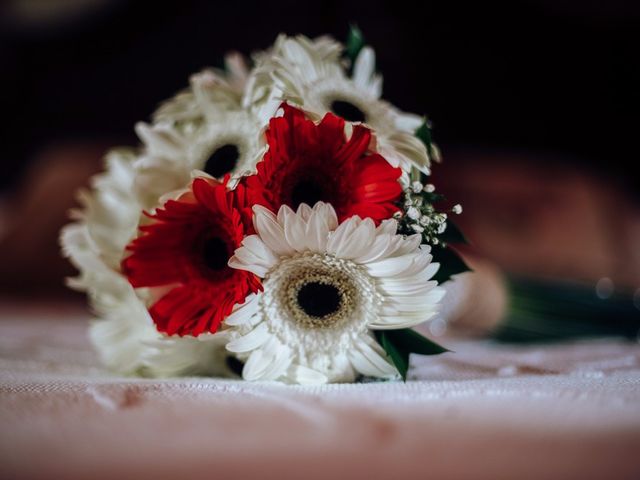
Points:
x=389, y=227
x=406, y=149
x=330, y=215
x=408, y=122
x=358, y=241
x=390, y=266
x=377, y=250
x=283, y=213
x=306, y=376
x=236, y=65
x=159, y=139
x=252, y=340
x=254, y=366
x=376, y=355
x=241, y=264
x=396, y=322
x=436, y=295
x=304, y=211
x=364, y=67
x=317, y=230
x=253, y=256
x=417, y=267
x=406, y=287
x=375, y=86
x=244, y=314
x=363, y=364
x=341, y=235
x=270, y=231
x=364, y=73
x=277, y=359
x=294, y=230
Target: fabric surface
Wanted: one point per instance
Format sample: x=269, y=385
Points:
x=484, y=412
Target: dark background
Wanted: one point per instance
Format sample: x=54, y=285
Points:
x=546, y=76
x=534, y=105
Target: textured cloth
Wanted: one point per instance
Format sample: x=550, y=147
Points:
x=485, y=412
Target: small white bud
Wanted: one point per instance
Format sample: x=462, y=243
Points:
x=413, y=213
x=457, y=209
x=424, y=220
x=397, y=215
x=442, y=227
x=429, y=188
x=416, y=187
x=417, y=228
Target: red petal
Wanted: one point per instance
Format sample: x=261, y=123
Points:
x=299, y=149
x=170, y=251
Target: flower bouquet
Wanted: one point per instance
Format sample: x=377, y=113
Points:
x=276, y=223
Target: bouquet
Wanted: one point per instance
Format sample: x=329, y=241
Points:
x=276, y=223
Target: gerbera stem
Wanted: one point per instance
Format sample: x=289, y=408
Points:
x=554, y=311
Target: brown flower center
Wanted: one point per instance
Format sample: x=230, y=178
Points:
x=222, y=161
x=348, y=111
x=319, y=299
x=215, y=253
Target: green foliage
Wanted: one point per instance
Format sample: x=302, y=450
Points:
x=355, y=43
x=450, y=263
x=424, y=134
x=548, y=310
x=399, y=344
x=453, y=234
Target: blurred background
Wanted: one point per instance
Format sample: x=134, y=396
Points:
x=534, y=105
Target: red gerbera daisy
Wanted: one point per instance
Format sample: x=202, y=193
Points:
x=307, y=163
x=186, y=249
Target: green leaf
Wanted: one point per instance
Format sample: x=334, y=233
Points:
x=398, y=344
x=431, y=197
x=453, y=234
x=412, y=341
x=450, y=263
x=355, y=42
x=400, y=358
x=424, y=134
x=546, y=311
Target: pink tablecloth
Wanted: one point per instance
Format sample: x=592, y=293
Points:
x=484, y=412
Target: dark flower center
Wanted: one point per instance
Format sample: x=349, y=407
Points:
x=222, y=161
x=319, y=299
x=306, y=191
x=348, y=111
x=215, y=253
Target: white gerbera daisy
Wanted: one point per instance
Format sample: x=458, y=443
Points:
x=123, y=333
x=317, y=57
x=120, y=332
x=206, y=129
x=109, y=213
x=228, y=143
x=326, y=287
x=128, y=342
x=211, y=89
x=204, y=355
x=318, y=84
x=95, y=244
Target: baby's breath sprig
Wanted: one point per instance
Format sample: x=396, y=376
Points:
x=419, y=215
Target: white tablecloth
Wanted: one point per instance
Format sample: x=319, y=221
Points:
x=484, y=412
